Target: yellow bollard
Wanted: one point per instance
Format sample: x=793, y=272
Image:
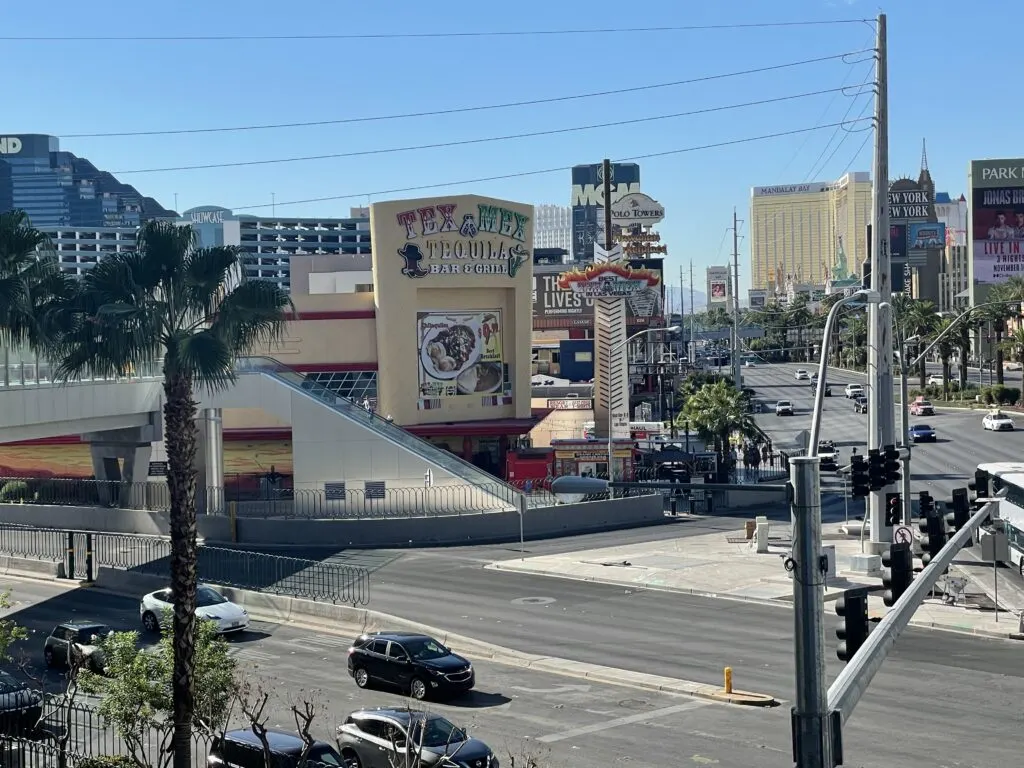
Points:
x=728, y=679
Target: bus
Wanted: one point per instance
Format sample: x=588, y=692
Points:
x=1006, y=479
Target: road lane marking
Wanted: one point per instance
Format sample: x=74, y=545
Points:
x=620, y=721
x=248, y=654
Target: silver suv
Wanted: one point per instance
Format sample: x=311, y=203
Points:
x=783, y=408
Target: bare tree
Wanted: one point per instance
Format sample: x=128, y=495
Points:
x=254, y=698
x=58, y=707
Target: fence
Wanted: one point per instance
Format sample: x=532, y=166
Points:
x=83, y=552
x=337, y=501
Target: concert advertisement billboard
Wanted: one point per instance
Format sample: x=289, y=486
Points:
x=996, y=220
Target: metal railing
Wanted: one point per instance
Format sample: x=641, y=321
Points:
x=445, y=459
x=339, y=503
x=82, y=552
x=39, y=372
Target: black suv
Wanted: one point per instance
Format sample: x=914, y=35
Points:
x=242, y=749
x=414, y=663
x=384, y=737
x=21, y=708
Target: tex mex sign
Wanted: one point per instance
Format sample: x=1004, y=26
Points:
x=442, y=240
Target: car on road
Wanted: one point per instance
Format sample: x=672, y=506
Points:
x=77, y=641
x=1013, y=366
x=802, y=375
x=211, y=606
x=417, y=664
x=922, y=407
x=783, y=408
x=828, y=455
x=860, y=404
x=242, y=748
x=854, y=390
x=21, y=707
x=922, y=433
x=935, y=380
x=749, y=364
x=382, y=737
x=997, y=421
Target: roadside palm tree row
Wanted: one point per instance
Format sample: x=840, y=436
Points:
x=168, y=301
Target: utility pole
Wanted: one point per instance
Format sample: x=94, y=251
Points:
x=737, y=372
x=881, y=416
x=693, y=339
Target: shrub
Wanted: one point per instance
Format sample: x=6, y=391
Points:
x=15, y=490
x=999, y=394
x=105, y=761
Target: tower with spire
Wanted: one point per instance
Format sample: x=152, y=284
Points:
x=924, y=178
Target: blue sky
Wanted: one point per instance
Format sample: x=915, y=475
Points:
x=941, y=69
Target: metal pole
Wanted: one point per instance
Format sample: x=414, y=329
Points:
x=856, y=676
x=812, y=740
x=737, y=372
x=693, y=340
x=881, y=428
x=995, y=576
x=905, y=436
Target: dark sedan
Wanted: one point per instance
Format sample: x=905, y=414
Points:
x=922, y=433
x=21, y=707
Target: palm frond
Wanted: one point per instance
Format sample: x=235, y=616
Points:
x=205, y=356
x=207, y=272
x=252, y=314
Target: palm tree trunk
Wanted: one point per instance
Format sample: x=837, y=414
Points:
x=965, y=349
x=922, y=373
x=180, y=438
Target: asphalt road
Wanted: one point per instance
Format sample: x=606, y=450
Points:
x=564, y=720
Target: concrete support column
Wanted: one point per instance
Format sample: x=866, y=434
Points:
x=210, y=462
x=120, y=463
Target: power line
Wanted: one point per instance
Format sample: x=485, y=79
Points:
x=846, y=136
x=463, y=110
x=465, y=142
x=860, y=149
x=523, y=174
x=849, y=109
x=425, y=35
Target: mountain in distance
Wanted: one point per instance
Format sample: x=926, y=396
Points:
x=700, y=299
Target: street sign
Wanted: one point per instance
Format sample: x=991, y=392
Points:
x=995, y=548
x=903, y=534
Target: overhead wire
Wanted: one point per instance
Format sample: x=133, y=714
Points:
x=485, y=140
x=474, y=108
x=539, y=172
x=846, y=135
x=425, y=35
x=815, y=166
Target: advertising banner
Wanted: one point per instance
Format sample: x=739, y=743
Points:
x=757, y=298
x=608, y=281
x=588, y=198
x=557, y=307
x=925, y=236
x=460, y=355
x=997, y=232
x=718, y=291
x=898, y=242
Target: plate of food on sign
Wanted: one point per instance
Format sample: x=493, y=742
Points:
x=453, y=351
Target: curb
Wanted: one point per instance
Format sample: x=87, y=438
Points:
x=489, y=651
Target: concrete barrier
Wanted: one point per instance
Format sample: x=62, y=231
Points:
x=481, y=528
x=23, y=566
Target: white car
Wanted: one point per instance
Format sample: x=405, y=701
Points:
x=211, y=605
x=934, y=380
x=802, y=375
x=854, y=390
x=783, y=408
x=997, y=422
x=1013, y=366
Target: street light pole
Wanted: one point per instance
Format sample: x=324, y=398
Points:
x=611, y=356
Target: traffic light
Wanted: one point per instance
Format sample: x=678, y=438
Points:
x=980, y=489
x=933, y=527
x=876, y=470
x=961, y=508
x=898, y=573
x=893, y=509
x=852, y=607
x=859, y=483
x=891, y=457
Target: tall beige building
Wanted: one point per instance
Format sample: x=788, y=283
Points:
x=808, y=233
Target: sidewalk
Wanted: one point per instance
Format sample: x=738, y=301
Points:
x=726, y=565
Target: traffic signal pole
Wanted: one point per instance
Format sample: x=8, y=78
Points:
x=812, y=740
x=855, y=678
x=881, y=416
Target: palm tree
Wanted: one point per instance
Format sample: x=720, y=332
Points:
x=31, y=282
x=855, y=330
x=798, y=317
x=945, y=350
x=1014, y=343
x=1011, y=293
x=715, y=411
x=963, y=345
x=192, y=307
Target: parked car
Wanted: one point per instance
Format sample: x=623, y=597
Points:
x=783, y=408
x=21, y=707
x=243, y=749
x=935, y=380
x=854, y=390
x=411, y=662
x=860, y=404
x=802, y=375
x=74, y=640
x=828, y=455
x=922, y=433
x=997, y=421
x=922, y=407
x=1013, y=366
x=211, y=605
x=397, y=737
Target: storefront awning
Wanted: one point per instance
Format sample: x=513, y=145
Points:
x=492, y=428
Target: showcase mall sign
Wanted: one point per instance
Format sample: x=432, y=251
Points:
x=488, y=241
x=607, y=281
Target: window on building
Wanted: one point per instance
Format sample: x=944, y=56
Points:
x=354, y=385
x=584, y=357
x=364, y=287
